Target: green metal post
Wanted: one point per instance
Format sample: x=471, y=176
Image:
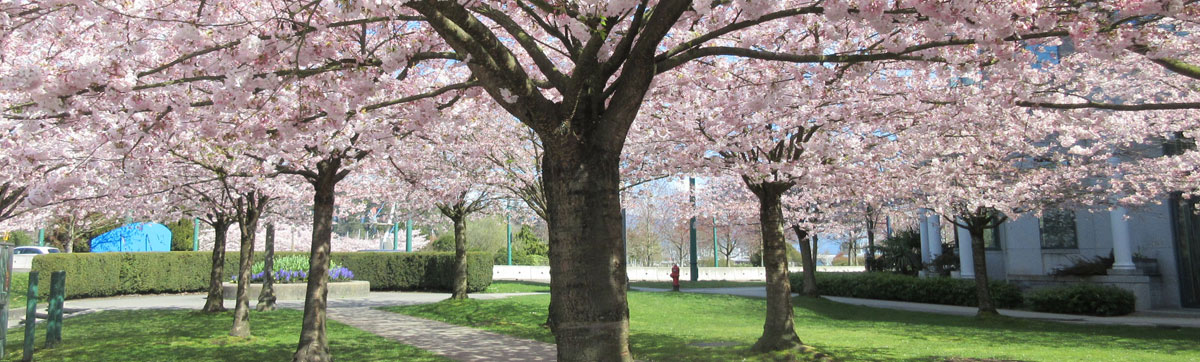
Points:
x=6, y=250
x=396, y=236
x=41, y=237
x=692, y=231
x=408, y=236
x=196, y=234
x=58, y=281
x=30, y=316
x=508, y=231
x=716, y=253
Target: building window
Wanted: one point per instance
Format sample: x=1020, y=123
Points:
x=991, y=238
x=1058, y=230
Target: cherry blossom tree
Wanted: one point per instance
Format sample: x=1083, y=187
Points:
x=577, y=72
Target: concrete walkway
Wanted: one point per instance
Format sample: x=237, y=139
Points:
x=1154, y=318
x=456, y=342
x=1144, y=319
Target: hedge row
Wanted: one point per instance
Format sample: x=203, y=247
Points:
x=108, y=274
x=905, y=288
x=1089, y=299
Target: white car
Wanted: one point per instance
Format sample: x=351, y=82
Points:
x=21, y=250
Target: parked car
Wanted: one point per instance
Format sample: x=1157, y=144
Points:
x=20, y=250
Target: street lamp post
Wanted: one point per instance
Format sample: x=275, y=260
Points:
x=692, y=229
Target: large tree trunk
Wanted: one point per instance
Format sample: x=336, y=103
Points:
x=983, y=293
x=216, y=294
x=314, y=346
x=460, y=257
x=778, y=330
x=808, y=262
x=251, y=207
x=589, y=313
x=266, y=298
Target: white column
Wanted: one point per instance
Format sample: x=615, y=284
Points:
x=935, y=235
x=1122, y=249
x=966, y=261
x=923, y=222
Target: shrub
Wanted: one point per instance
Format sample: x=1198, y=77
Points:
x=905, y=288
x=1088, y=299
x=900, y=253
x=181, y=234
x=1084, y=267
x=19, y=238
x=107, y=274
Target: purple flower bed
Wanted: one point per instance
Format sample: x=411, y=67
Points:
x=336, y=274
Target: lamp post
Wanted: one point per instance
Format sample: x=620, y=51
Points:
x=408, y=236
x=396, y=236
x=692, y=229
x=508, y=233
x=196, y=234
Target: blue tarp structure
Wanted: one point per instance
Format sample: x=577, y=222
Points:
x=145, y=236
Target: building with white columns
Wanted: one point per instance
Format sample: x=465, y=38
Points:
x=1156, y=249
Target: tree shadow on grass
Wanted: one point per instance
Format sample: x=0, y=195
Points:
x=515, y=286
x=195, y=336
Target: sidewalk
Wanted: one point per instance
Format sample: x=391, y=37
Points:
x=1153, y=318
x=456, y=342
x=1143, y=319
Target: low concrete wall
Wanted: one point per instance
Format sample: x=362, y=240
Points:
x=542, y=273
x=295, y=291
x=1143, y=287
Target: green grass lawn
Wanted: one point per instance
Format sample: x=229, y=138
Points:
x=18, y=288
x=699, y=284
x=664, y=326
x=507, y=286
x=179, y=335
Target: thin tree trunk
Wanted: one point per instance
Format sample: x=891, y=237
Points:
x=247, y=225
x=589, y=313
x=983, y=292
x=870, y=254
x=266, y=298
x=779, y=333
x=216, y=295
x=816, y=242
x=809, y=263
x=460, y=257
x=71, y=236
x=314, y=346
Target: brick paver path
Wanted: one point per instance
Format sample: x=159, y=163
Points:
x=456, y=342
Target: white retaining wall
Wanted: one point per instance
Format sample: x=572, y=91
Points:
x=542, y=273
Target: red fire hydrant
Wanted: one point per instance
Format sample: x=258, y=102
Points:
x=675, y=277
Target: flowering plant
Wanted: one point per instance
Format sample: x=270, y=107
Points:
x=294, y=269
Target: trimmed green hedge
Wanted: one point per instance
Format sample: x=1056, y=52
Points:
x=108, y=274
x=888, y=286
x=1088, y=299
